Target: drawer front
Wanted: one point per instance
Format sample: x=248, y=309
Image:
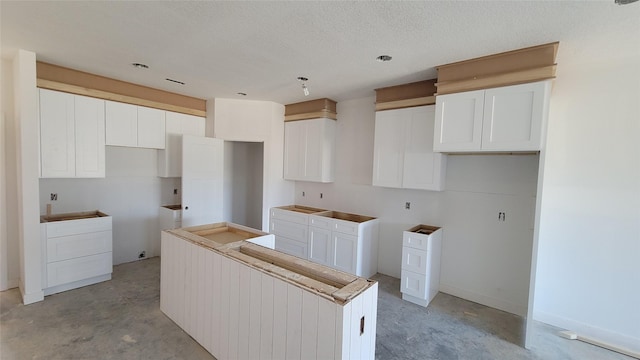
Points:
x=82, y=226
x=289, y=230
x=67, y=271
x=414, y=260
x=345, y=227
x=415, y=240
x=413, y=284
x=321, y=222
x=74, y=246
x=291, y=216
x=291, y=247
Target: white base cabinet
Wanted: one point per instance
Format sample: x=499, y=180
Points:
x=509, y=118
x=76, y=253
x=420, y=275
x=345, y=242
x=170, y=217
x=239, y=311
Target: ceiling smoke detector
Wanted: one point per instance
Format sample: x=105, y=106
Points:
x=303, y=80
x=140, y=66
x=384, y=58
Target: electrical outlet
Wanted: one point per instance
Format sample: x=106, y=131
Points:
x=142, y=255
x=407, y=205
x=54, y=196
x=502, y=216
x=303, y=194
x=320, y=195
x=175, y=191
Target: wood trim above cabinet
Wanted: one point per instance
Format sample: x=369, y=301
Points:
x=318, y=108
x=519, y=66
x=59, y=78
x=406, y=95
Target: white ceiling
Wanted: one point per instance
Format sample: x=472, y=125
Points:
x=260, y=48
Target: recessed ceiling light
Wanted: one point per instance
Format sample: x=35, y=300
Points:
x=384, y=58
x=302, y=78
x=624, y=2
x=242, y=94
x=140, y=66
x=175, y=81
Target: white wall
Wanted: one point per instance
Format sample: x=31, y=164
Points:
x=9, y=265
x=255, y=121
x=483, y=260
x=25, y=113
x=588, y=269
x=243, y=179
x=131, y=193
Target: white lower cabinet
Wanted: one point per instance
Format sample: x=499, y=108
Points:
x=420, y=276
x=346, y=242
x=77, y=252
x=170, y=217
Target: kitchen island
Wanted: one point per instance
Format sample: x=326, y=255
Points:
x=240, y=300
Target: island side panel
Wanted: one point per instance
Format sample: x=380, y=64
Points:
x=255, y=315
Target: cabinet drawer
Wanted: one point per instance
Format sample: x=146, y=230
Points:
x=67, y=271
x=415, y=240
x=413, y=284
x=345, y=227
x=414, y=260
x=321, y=222
x=73, y=246
x=290, y=230
x=291, y=216
x=291, y=247
x=81, y=226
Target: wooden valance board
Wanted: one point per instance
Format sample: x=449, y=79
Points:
x=318, y=108
x=406, y=95
x=59, y=78
x=525, y=65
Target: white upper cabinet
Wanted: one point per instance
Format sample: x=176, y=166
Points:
x=151, y=128
x=72, y=135
x=134, y=126
x=309, y=150
x=403, y=150
x=509, y=118
x=121, y=124
x=177, y=124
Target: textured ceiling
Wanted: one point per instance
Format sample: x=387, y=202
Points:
x=260, y=48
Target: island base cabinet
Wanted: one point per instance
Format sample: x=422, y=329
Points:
x=239, y=312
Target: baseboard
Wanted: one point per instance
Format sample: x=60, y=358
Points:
x=30, y=298
x=621, y=341
x=10, y=284
x=484, y=300
x=76, y=284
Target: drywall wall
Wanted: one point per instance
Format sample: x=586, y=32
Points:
x=243, y=179
x=483, y=260
x=255, y=121
x=588, y=268
x=131, y=193
x=9, y=267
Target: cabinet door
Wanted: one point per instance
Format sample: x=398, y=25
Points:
x=294, y=150
x=513, y=117
x=57, y=134
x=291, y=247
x=422, y=169
x=320, y=246
x=345, y=252
x=202, y=174
x=459, y=121
x=388, y=147
x=121, y=124
x=170, y=159
x=151, y=128
x=313, y=149
x=90, y=137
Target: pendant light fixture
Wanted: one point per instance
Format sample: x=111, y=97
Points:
x=304, y=80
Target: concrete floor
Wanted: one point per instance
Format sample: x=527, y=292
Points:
x=121, y=319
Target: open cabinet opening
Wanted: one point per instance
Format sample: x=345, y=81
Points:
x=243, y=176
